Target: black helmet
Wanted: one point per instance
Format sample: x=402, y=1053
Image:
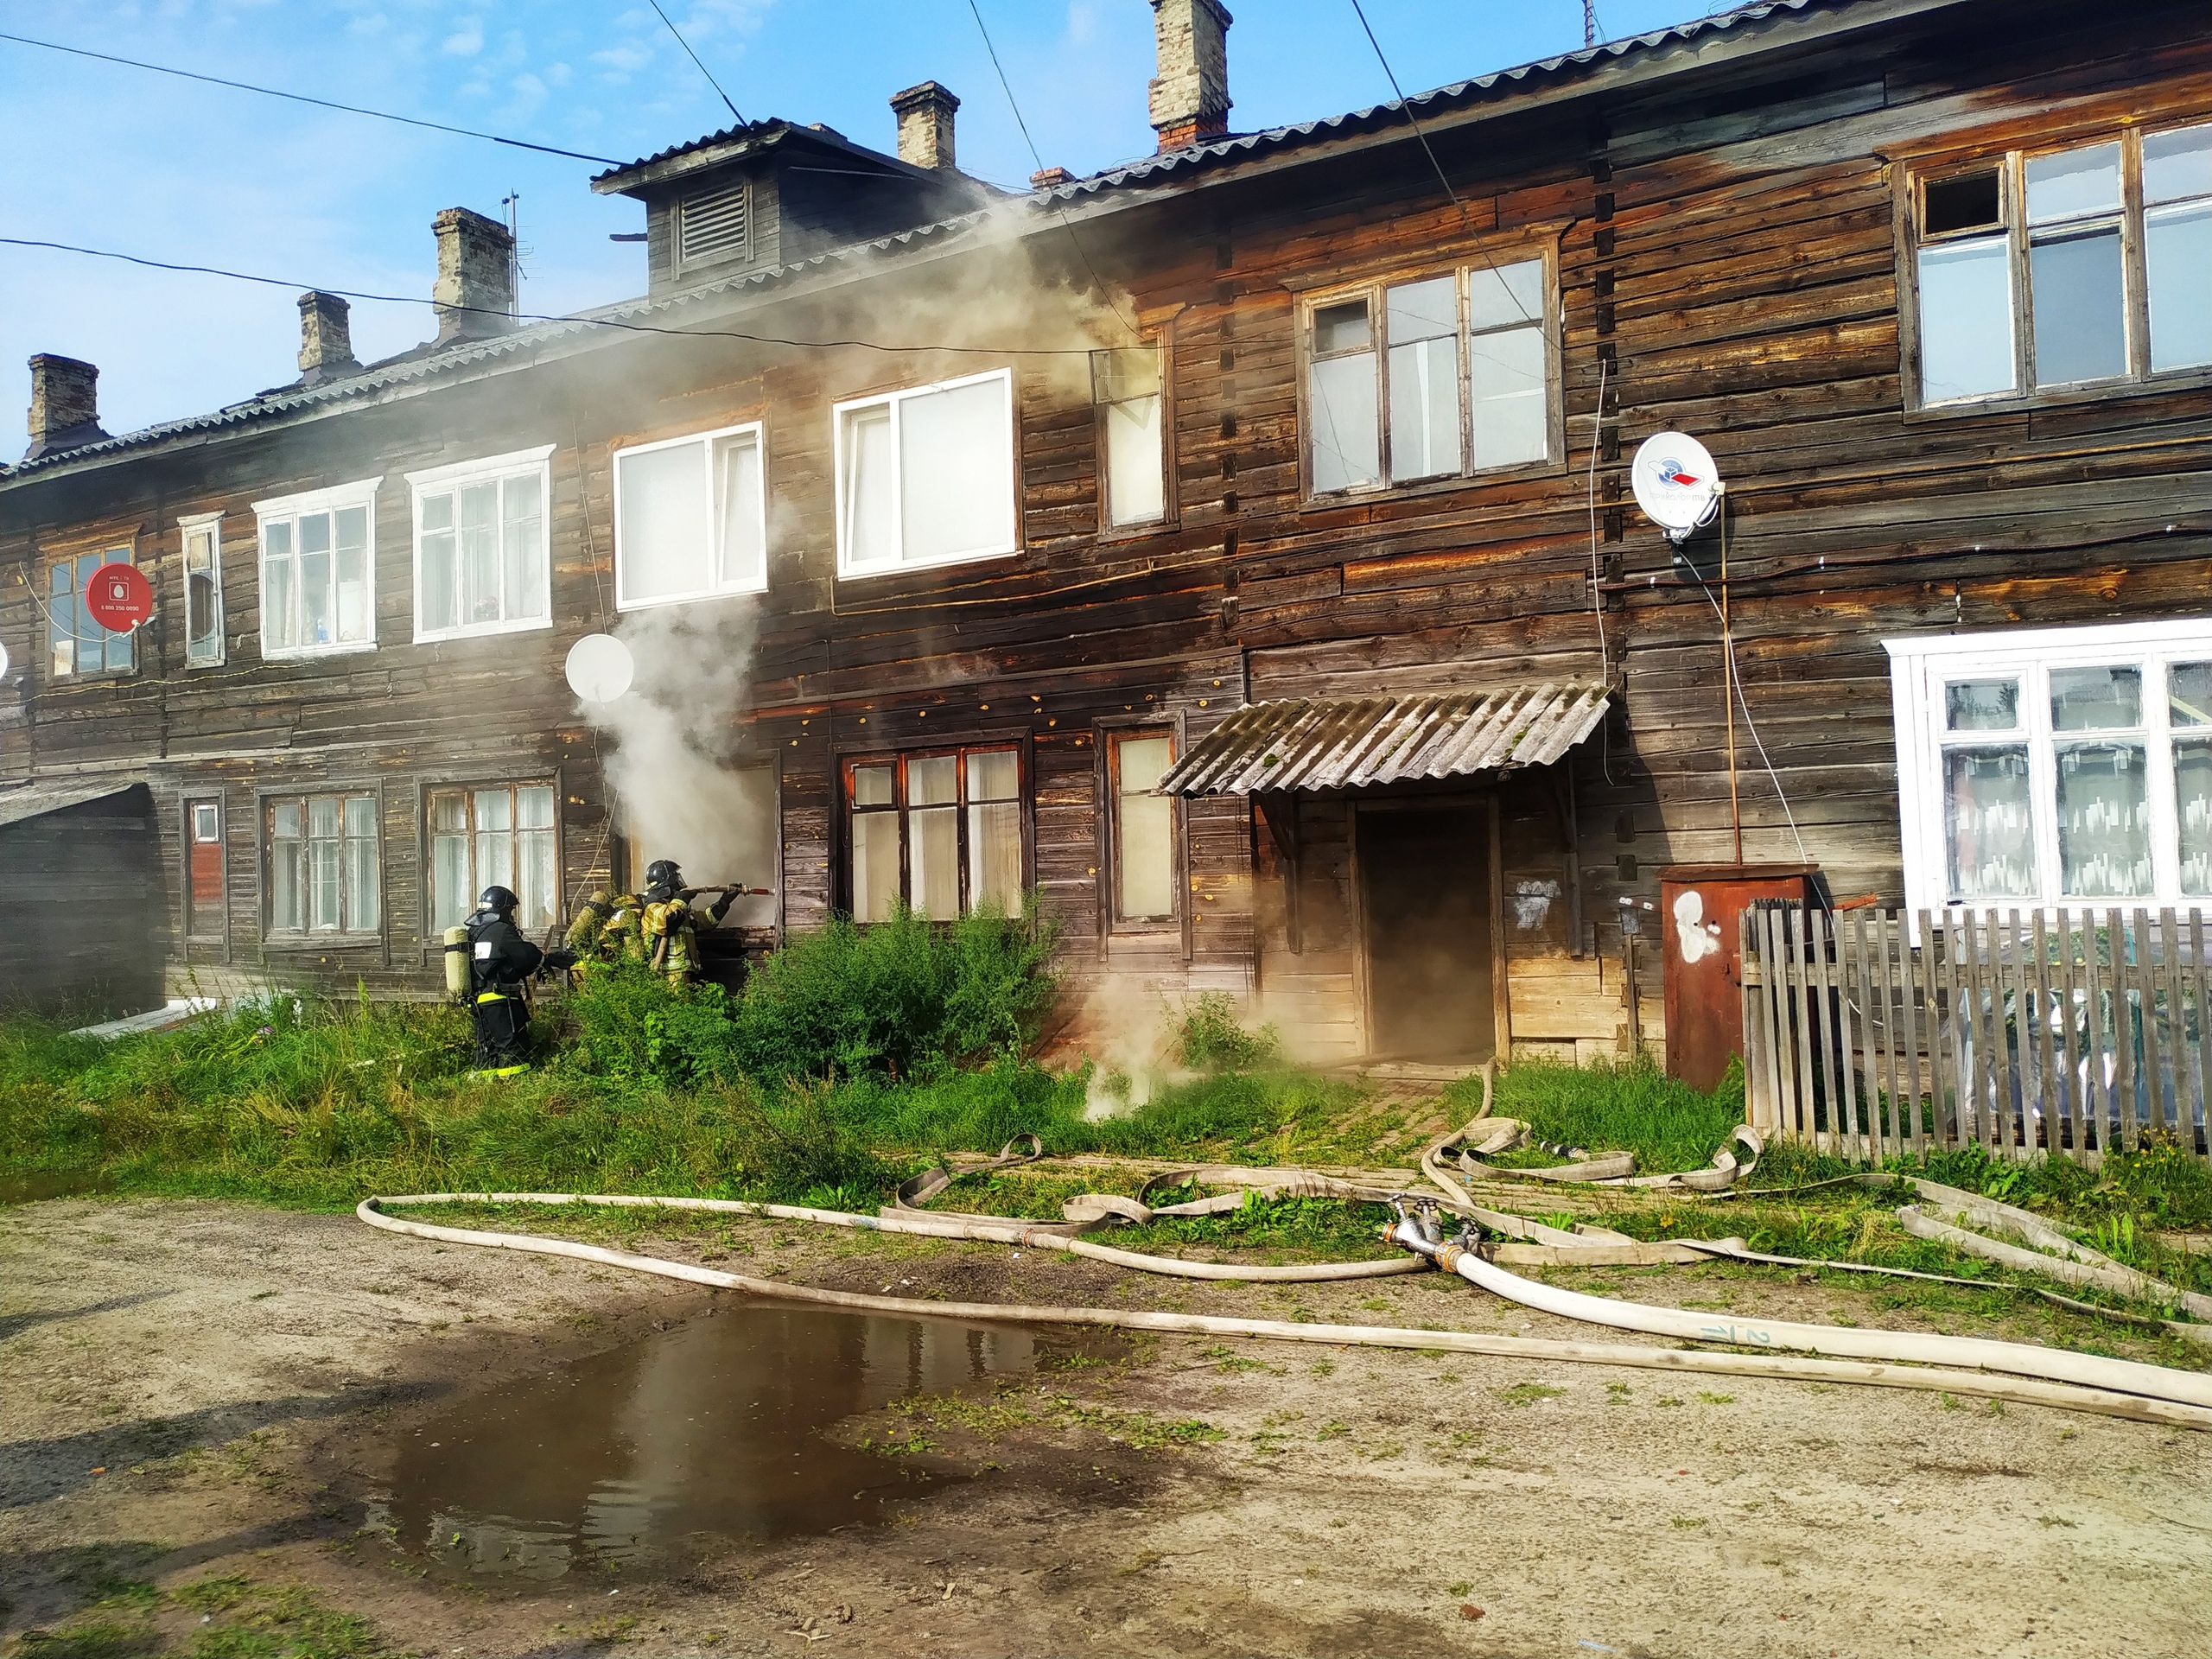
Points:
x=498, y=901
x=663, y=873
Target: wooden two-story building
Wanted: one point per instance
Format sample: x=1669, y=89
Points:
x=1235, y=545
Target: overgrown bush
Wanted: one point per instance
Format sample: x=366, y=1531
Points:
x=1210, y=1038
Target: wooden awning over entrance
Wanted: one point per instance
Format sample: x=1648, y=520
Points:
x=1311, y=743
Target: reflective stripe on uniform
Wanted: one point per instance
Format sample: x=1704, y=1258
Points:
x=492, y=996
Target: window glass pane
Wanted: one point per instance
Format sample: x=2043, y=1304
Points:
x=1981, y=705
x=353, y=574
x=449, y=811
x=933, y=780
x=1425, y=407
x=737, y=504
x=279, y=598
x=875, y=866
x=994, y=775
x=2080, y=329
x=318, y=615
x=2188, y=694
x=872, y=785
x=534, y=809
x=285, y=820
x=994, y=856
x=521, y=545
x=61, y=624
x=933, y=860
x=2193, y=814
x=480, y=553
x=865, y=494
x=1416, y=311
x=495, y=863
x=440, y=578
x=1989, y=823
x=2104, y=821
x=492, y=810
x=324, y=887
x=322, y=817
x=2178, y=255
x=2096, y=699
x=956, y=472
x=534, y=882
x=285, y=911
x=1965, y=319
x=1969, y=203
x=364, y=909
x=360, y=814
x=2178, y=165
x=1506, y=371
x=1135, y=474
x=203, y=610
x=1506, y=295
x=205, y=818
x=2074, y=182
x=1342, y=407
x=452, y=894
x=1341, y=327
x=1144, y=838
x=662, y=546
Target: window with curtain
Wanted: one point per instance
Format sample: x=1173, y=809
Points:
x=942, y=832
x=690, y=518
x=494, y=835
x=2049, y=269
x=323, y=871
x=2060, y=766
x=1444, y=376
x=482, y=563
x=318, y=570
x=1127, y=390
x=926, y=476
x=1143, y=827
x=203, y=591
x=77, y=646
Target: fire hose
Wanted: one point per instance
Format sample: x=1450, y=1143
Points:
x=2009, y=1371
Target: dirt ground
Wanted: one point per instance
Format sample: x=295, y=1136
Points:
x=196, y=1389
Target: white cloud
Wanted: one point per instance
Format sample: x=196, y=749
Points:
x=558, y=75
x=465, y=42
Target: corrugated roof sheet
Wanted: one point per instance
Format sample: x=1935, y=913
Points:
x=1347, y=743
x=22, y=801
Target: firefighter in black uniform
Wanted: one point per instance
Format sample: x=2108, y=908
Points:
x=501, y=963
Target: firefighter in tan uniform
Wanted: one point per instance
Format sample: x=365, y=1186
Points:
x=608, y=928
x=670, y=923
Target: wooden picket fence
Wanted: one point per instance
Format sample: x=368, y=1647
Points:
x=2020, y=1031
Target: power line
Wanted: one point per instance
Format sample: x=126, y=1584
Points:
x=536, y=317
x=702, y=67
x=302, y=98
x=1006, y=86
x=1404, y=104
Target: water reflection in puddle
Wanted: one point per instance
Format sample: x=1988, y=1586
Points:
x=633, y=1458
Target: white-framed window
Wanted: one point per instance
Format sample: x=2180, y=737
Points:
x=494, y=835
x=925, y=476
x=324, y=874
x=78, y=647
x=2053, y=269
x=690, y=517
x=1127, y=391
x=2051, y=767
x=203, y=590
x=319, y=570
x=1445, y=375
x=482, y=564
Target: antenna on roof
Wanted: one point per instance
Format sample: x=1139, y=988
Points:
x=1679, y=488
x=1589, y=22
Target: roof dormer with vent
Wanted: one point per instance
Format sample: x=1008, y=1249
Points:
x=769, y=193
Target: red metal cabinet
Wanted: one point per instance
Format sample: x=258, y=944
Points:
x=1700, y=908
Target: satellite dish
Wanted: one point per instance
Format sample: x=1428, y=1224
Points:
x=600, y=668
x=1676, y=483
x=3, y=662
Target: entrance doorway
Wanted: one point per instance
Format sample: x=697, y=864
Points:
x=1427, y=934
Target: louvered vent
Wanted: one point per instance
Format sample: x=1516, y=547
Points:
x=712, y=224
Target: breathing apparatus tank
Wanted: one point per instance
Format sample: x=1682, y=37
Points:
x=456, y=944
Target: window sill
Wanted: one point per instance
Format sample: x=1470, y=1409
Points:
x=1116, y=533
x=846, y=573
x=206, y=662
x=705, y=594
x=2079, y=392
x=486, y=631
x=308, y=653
x=323, y=941
x=106, y=676
x=1535, y=469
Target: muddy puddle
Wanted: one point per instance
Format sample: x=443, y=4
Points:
x=643, y=1459
x=35, y=1188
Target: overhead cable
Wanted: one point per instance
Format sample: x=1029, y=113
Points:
x=320, y=102
x=579, y=320
x=702, y=67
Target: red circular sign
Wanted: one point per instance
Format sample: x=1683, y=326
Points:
x=119, y=597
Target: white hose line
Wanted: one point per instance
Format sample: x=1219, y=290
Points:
x=2016, y=1390
x=2021, y=1359
x=1028, y=1235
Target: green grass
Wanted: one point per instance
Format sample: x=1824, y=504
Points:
x=232, y=1616
x=1634, y=1107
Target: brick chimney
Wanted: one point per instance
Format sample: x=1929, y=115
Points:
x=1050, y=178
x=475, y=291
x=65, y=405
x=326, y=339
x=1190, y=95
x=925, y=115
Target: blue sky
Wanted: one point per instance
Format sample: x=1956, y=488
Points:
x=111, y=157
